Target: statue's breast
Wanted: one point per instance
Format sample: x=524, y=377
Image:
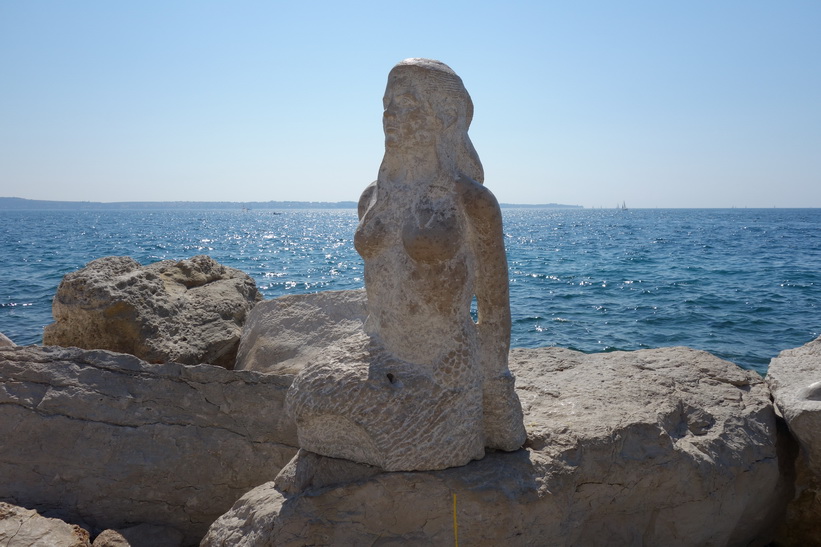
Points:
x=432, y=233
x=370, y=236
x=428, y=232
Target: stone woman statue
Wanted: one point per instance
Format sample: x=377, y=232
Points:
x=424, y=387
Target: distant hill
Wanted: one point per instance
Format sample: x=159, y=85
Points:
x=7, y=204
x=32, y=204
x=542, y=206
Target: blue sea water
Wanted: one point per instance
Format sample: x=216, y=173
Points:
x=743, y=284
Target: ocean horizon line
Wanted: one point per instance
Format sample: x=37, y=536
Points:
x=15, y=203
x=25, y=204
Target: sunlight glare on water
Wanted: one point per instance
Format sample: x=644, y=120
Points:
x=742, y=284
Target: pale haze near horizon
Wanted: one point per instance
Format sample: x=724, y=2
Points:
x=656, y=104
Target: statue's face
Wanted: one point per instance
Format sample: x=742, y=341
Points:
x=408, y=119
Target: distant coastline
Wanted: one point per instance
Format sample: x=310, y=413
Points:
x=21, y=204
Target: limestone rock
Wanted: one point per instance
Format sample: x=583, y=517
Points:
x=110, y=538
x=309, y=470
x=111, y=440
x=655, y=447
x=802, y=523
x=285, y=334
x=188, y=311
x=423, y=386
x=5, y=342
x=20, y=527
x=794, y=377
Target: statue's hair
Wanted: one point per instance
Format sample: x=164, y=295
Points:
x=466, y=161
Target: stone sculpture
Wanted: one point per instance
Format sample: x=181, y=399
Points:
x=424, y=386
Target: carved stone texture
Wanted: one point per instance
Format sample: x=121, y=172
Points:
x=424, y=386
x=110, y=440
x=794, y=377
x=188, y=311
x=655, y=447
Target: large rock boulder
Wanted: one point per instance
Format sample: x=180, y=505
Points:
x=5, y=341
x=655, y=447
x=284, y=334
x=794, y=377
x=188, y=311
x=111, y=440
x=27, y=528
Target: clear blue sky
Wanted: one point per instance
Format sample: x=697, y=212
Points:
x=659, y=104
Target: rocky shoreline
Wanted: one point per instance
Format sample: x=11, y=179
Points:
x=668, y=446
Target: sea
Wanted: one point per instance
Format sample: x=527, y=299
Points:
x=743, y=284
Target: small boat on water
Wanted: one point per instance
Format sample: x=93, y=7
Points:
x=622, y=207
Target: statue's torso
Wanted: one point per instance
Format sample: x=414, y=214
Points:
x=418, y=275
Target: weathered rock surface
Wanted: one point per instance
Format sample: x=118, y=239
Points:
x=111, y=538
x=794, y=378
x=20, y=527
x=655, y=447
x=191, y=311
x=5, y=342
x=110, y=440
x=285, y=334
x=310, y=470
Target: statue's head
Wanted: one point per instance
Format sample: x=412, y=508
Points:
x=426, y=104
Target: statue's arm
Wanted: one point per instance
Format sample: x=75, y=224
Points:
x=365, y=199
x=492, y=290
